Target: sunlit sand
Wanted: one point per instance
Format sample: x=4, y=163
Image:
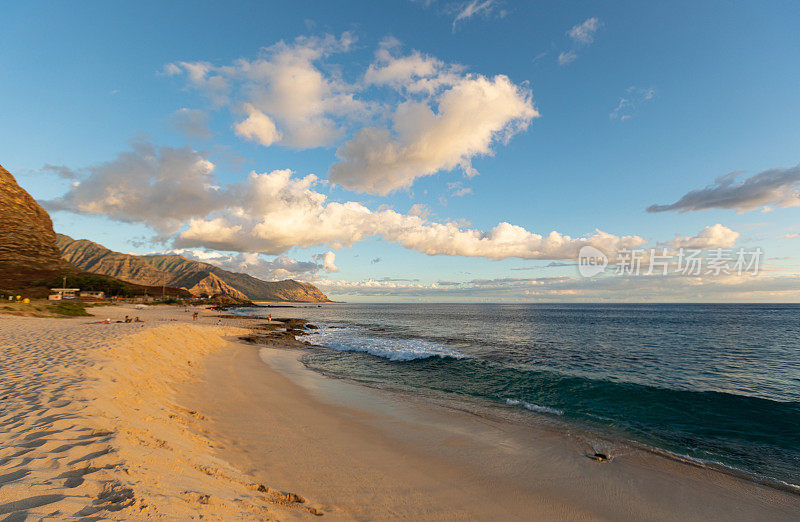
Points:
x=172, y=418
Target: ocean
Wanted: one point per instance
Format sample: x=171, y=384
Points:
x=714, y=384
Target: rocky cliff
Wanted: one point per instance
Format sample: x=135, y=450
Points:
x=28, y=250
x=177, y=271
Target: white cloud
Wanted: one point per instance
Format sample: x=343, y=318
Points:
x=583, y=33
x=470, y=116
x=173, y=191
x=634, y=97
x=257, y=127
x=457, y=189
x=286, y=85
x=715, y=236
x=566, y=57
x=280, y=268
x=328, y=261
x=438, y=117
x=470, y=9
x=415, y=73
x=273, y=212
x=161, y=187
x=202, y=76
x=419, y=209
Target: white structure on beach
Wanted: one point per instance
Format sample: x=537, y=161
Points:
x=63, y=293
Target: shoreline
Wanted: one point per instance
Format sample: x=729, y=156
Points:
x=563, y=424
x=564, y=427
x=428, y=433
x=175, y=418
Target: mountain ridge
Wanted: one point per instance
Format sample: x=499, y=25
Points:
x=31, y=261
x=171, y=269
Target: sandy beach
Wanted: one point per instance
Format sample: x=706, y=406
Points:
x=426, y=260
x=90, y=427
x=175, y=419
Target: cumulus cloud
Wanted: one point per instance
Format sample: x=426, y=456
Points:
x=161, y=187
x=471, y=114
x=634, y=97
x=257, y=127
x=287, y=87
x=279, y=268
x=715, y=236
x=273, y=212
x=437, y=118
x=503, y=241
x=415, y=73
x=202, y=76
x=328, y=261
x=192, y=123
x=173, y=191
x=777, y=186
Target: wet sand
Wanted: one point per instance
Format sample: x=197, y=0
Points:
x=365, y=453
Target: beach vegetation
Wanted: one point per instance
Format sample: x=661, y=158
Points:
x=38, y=308
x=95, y=283
x=69, y=309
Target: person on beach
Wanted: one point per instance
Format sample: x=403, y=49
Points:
x=269, y=318
x=194, y=317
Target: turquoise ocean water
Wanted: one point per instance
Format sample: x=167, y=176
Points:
x=716, y=384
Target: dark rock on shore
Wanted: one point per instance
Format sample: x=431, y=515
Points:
x=278, y=333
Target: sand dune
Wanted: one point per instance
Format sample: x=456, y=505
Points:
x=89, y=426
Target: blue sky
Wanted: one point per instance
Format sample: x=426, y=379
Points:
x=577, y=116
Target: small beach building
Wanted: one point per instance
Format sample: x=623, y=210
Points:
x=92, y=295
x=57, y=294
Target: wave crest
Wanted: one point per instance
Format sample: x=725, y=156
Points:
x=394, y=349
x=534, y=407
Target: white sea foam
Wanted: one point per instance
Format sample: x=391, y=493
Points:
x=534, y=407
x=394, y=349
